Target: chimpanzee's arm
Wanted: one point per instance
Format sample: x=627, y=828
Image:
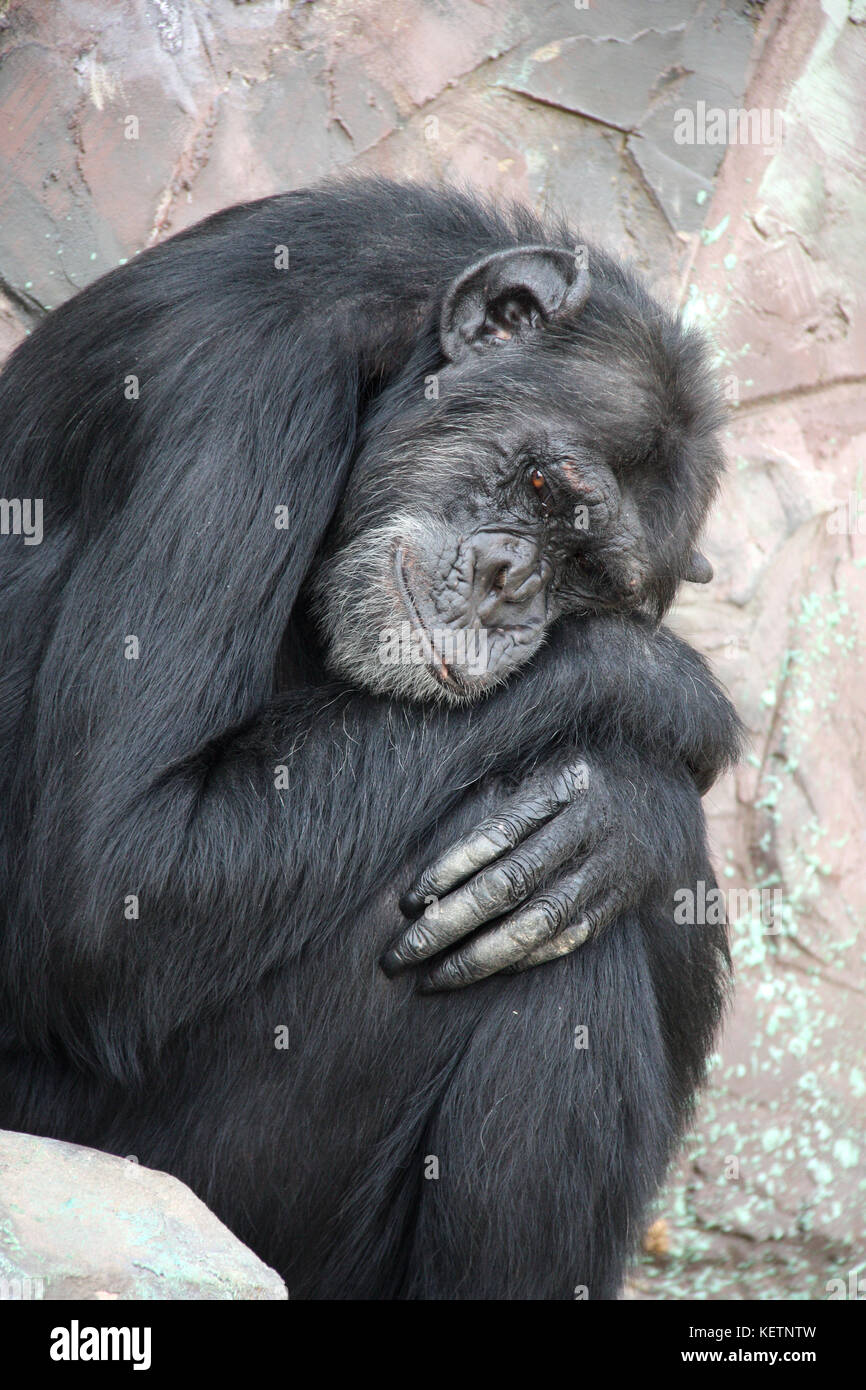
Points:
x=585, y=837
x=234, y=865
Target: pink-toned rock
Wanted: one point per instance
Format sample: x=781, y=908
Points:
x=78, y=1224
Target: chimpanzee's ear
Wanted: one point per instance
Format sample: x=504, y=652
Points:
x=508, y=294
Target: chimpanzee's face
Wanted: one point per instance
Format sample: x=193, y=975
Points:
x=549, y=467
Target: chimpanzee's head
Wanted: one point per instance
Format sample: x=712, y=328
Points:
x=550, y=448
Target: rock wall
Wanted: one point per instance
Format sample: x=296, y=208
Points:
x=124, y=123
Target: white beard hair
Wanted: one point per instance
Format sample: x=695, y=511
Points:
x=355, y=591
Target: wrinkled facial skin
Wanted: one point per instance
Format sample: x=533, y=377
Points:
x=538, y=484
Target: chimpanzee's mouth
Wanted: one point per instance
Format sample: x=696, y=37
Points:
x=446, y=675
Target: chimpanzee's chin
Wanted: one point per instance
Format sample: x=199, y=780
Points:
x=459, y=688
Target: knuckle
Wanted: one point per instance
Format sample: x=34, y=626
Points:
x=417, y=943
x=554, y=910
x=518, y=938
x=481, y=893
x=503, y=884
x=600, y=915
x=573, y=938
x=572, y=780
x=500, y=831
x=455, y=973
x=595, y=921
x=520, y=875
x=423, y=885
x=579, y=776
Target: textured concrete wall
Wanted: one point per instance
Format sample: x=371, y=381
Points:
x=122, y=123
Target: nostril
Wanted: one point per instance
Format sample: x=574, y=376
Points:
x=504, y=568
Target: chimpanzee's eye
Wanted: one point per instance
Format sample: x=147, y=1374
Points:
x=541, y=487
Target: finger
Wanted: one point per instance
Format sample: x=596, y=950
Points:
x=495, y=836
x=528, y=929
x=497, y=889
x=601, y=915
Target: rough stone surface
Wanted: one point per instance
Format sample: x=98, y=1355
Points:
x=763, y=245
x=775, y=281
x=77, y=1224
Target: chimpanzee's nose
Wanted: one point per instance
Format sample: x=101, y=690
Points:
x=508, y=574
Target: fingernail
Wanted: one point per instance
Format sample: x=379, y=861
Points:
x=391, y=963
x=412, y=904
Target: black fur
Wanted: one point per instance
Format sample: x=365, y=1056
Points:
x=155, y=777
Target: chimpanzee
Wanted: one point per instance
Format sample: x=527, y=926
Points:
x=361, y=507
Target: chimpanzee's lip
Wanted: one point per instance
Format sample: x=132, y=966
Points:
x=436, y=666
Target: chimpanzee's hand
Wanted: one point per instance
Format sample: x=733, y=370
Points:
x=560, y=861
